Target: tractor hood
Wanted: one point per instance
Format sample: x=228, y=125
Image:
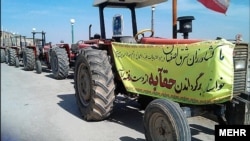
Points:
x=124, y=3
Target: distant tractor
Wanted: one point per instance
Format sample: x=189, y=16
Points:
x=63, y=56
x=3, y=49
x=54, y=57
x=3, y=58
x=171, y=78
x=11, y=52
x=60, y=60
x=33, y=53
x=15, y=52
x=3, y=54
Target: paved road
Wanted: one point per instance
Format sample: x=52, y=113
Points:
x=36, y=107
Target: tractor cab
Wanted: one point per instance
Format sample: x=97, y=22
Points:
x=18, y=41
x=15, y=51
x=117, y=21
x=37, y=54
x=138, y=36
x=41, y=44
x=13, y=41
x=22, y=40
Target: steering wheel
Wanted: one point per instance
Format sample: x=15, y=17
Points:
x=79, y=42
x=142, y=33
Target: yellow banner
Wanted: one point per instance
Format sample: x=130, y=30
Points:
x=198, y=73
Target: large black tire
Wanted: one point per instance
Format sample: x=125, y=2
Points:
x=2, y=55
x=6, y=55
x=59, y=63
x=6, y=59
x=17, y=64
x=165, y=120
x=28, y=59
x=94, y=84
x=38, y=67
x=12, y=56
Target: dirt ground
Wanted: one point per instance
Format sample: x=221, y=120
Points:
x=36, y=107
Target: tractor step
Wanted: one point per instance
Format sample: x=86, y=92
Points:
x=238, y=111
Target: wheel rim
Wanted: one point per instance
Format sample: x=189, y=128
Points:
x=84, y=85
x=161, y=128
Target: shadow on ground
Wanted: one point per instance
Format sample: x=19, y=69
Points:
x=127, y=113
x=130, y=139
x=51, y=75
x=197, y=129
x=68, y=103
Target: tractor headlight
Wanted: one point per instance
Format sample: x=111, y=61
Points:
x=240, y=65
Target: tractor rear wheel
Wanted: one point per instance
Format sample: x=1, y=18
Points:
x=59, y=63
x=2, y=55
x=12, y=56
x=29, y=59
x=94, y=84
x=165, y=120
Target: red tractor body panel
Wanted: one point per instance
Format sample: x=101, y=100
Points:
x=47, y=48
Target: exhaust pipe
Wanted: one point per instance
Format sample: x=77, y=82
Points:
x=90, y=31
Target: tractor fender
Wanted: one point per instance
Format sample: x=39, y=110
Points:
x=155, y=40
x=81, y=46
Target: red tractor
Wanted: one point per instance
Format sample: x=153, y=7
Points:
x=54, y=57
x=3, y=54
x=15, y=52
x=3, y=48
x=63, y=56
x=33, y=54
x=164, y=75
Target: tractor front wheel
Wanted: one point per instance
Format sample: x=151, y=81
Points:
x=38, y=67
x=165, y=120
x=94, y=84
x=59, y=63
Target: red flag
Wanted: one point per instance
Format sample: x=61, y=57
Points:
x=216, y=5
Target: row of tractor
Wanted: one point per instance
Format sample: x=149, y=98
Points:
x=172, y=79
x=58, y=58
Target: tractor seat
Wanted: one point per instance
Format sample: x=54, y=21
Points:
x=74, y=48
x=128, y=39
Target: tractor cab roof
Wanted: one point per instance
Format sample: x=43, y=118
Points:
x=129, y=4
x=126, y=3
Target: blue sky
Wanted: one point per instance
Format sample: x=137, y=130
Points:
x=53, y=17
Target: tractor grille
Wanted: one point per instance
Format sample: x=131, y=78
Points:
x=240, y=76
